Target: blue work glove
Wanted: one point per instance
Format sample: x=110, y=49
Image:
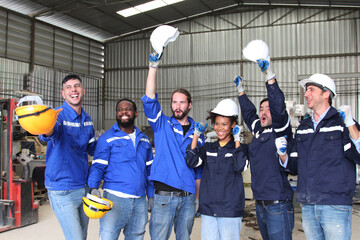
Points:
x=200, y=129
x=150, y=204
x=96, y=192
x=265, y=68
x=239, y=83
x=236, y=133
x=154, y=60
x=281, y=145
x=345, y=113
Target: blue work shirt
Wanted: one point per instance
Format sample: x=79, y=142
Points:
x=268, y=178
x=67, y=150
x=169, y=164
x=123, y=166
x=324, y=158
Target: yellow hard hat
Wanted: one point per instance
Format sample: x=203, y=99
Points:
x=95, y=207
x=36, y=119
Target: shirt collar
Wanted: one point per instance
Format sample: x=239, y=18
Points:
x=71, y=111
x=321, y=116
x=117, y=129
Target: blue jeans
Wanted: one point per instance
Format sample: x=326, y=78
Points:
x=275, y=221
x=216, y=228
x=168, y=211
x=330, y=222
x=67, y=206
x=129, y=214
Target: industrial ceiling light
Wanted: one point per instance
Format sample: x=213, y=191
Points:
x=146, y=7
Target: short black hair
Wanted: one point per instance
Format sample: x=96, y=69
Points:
x=212, y=116
x=264, y=100
x=128, y=100
x=70, y=76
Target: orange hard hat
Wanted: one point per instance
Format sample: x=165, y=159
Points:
x=36, y=119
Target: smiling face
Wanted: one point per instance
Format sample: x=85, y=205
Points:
x=73, y=92
x=180, y=106
x=125, y=114
x=223, y=128
x=265, y=115
x=316, y=98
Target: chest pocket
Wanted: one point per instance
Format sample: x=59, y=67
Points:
x=332, y=138
x=121, y=151
x=264, y=137
x=78, y=137
x=143, y=148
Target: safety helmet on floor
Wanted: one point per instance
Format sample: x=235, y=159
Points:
x=226, y=107
x=320, y=80
x=95, y=207
x=35, y=117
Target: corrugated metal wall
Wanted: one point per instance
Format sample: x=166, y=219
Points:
x=208, y=54
x=45, y=55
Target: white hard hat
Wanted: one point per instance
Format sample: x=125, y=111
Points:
x=226, y=107
x=256, y=49
x=320, y=80
x=161, y=36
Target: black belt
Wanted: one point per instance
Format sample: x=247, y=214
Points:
x=269, y=202
x=176, y=194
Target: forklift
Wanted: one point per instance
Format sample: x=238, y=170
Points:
x=17, y=205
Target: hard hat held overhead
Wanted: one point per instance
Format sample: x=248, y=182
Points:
x=161, y=36
x=226, y=107
x=320, y=80
x=256, y=49
x=35, y=117
x=95, y=207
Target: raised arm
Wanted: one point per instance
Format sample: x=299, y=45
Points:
x=154, y=61
x=199, y=129
x=345, y=113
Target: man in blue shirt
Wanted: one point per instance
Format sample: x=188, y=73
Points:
x=323, y=154
x=174, y=181
x=123, y=158
x=269, y=183
x=68, y=146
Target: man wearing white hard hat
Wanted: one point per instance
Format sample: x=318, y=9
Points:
x=323, y=154
x=269, y=183
x=174, y=182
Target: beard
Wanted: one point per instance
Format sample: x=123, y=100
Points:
x=182, y=115
x=127, y=124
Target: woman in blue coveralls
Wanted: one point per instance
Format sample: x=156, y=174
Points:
x=222, y=197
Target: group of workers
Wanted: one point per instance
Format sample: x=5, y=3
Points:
x=323, y=153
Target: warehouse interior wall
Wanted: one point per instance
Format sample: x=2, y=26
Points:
x=208, y=54
x=35, y=57
x=204, y=59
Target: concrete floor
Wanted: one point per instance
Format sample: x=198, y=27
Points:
x=48, y=227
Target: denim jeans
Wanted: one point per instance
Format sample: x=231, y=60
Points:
x=168, y=211
x=67, y=206
x=330, y=222
x=275, y=221
x=129, y=214
x=217, y=228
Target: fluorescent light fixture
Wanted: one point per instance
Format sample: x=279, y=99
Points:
x=150, y=5
x=128, y=12
x=146, y=7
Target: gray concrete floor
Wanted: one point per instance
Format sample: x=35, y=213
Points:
x=48, y=227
